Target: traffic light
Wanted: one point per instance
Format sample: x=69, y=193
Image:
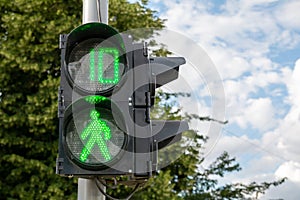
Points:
x=92, y=127
x=106, y=91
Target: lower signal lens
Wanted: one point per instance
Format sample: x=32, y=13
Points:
x=93, y=137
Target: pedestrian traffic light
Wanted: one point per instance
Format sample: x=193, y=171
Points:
x=106, y=91
x=92, y=126
x=93, y=139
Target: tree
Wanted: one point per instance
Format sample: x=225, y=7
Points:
x=29, y=78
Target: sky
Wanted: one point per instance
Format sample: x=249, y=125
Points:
x=255, y=47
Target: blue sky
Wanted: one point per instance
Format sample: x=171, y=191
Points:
x=255, y=46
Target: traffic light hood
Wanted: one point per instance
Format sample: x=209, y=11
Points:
x=94, y=30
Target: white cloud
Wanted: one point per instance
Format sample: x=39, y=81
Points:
x=289, y=191
x=290, y=170
x=228, y=62
x=288, y=15
x=238, y=40
x=260, y=114
x=294, y=86
x=285, y=139
x=288, y=138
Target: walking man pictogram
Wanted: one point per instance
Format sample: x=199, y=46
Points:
x=97, y=132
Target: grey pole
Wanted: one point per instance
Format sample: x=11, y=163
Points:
x=87, y=190
x=93, y=11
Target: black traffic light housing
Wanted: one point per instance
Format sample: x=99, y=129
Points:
x=81, y=93
x=106, y=91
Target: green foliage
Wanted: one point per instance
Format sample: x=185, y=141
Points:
x=29, y=78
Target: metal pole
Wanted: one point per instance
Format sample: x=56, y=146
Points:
x=93, y=11
x=87, y=190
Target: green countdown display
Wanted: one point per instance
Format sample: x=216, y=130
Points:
x=107, y=58
x=94, y=66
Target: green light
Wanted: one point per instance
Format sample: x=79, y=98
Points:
x=102, y=66
x=92, y=65
x=95, y=99
x=115, y=53
x=97, y=132
x=94, y=132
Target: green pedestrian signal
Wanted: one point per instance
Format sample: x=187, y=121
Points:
x=94, y=138
x=97, y=132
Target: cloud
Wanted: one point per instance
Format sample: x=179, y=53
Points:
x=294, y=86
x=288, y=139
x=288, y=15
x=291, y=170
x=247, y=28
x=289, y=190
x=260, y=114
x=239, y=39
x=284, y=140
x=235, y=145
